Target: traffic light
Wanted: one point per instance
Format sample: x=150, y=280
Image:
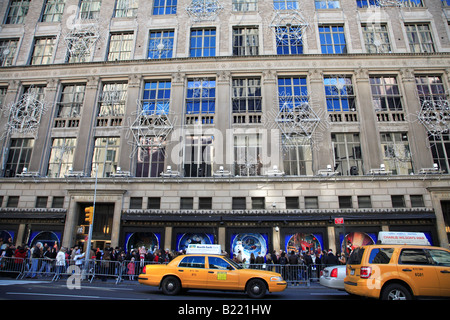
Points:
x=89, y=214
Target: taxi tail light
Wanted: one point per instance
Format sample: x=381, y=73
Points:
x=144, y=270
x=365, y=272
x=334, y=273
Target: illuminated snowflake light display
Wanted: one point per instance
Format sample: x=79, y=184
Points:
x=25, y=115
x=204, y=10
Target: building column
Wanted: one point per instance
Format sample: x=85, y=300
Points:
x=131, y=114
x=417, y=134
x=82, y=156
x=41, y=149
x=369, y=135
x=222, y=122
x=322, y=154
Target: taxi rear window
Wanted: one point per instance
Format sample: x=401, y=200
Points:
x=356, y=256
x=381, y=255
x=192, y=262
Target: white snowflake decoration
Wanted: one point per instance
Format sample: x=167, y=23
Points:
x=434, y=115
x=24, y=116
x=161, y=49
x=204, y=10
x=289, y=26
x=82, y=38
x=150, y=128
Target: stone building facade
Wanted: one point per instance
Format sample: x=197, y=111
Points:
x=245, y=122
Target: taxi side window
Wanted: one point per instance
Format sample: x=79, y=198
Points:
x=440, y=257
x=381, y=255
x=413, y=256
x=217, y=263
x=192, y=262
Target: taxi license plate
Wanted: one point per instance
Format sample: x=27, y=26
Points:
x=352, y=272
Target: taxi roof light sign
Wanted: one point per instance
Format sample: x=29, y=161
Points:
x=411, y=238
x=204, y=249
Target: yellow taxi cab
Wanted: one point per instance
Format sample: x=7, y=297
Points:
x=211, y=271
x=404, y=266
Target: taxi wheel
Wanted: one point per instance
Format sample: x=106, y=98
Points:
x=171, y=286
x=256, y=289
x=396, y=292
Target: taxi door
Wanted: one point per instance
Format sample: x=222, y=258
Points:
x=414, y=265
x=441, y=260
x=221, y=275
x=192, y=272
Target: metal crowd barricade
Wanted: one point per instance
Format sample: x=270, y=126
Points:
x=12, y=265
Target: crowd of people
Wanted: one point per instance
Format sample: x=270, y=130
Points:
x=47, y=260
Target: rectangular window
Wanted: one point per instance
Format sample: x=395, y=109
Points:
x=41, y=202
x=440, y=150
x=156, y=98
x=106, y=156
x=43, y=51
x=292, y=93
x=71, y=101
x=419, y=38
x=364, y=202
x=430, y=88
x=201, y=96
x=161, y=44
x=187, y=203
x=203, y=43
x=161, y=7
x=345, y=202
x=239, y=203
x=19, y=156
x=376, y=38
x=285, y=4
x=247, y=152
x=120, y=46
x=135, y=202
x=398, y=201
x=246, y=95
x=367, y=3
x=205, y=203
x=339, y=94
x=311, y=203
x=126, y=8
x=446, y=3
x=385, y=93
x=53, y=10
x=414, y=257
x=198, y=156
x=292, y=203
x=112, y=100
x=417, y=201
x=8, y=49
x=245, y=5
x=61, y=157
x=289, y=39
x=13, y=202
x=90, y=9
x=58, y=202
x=332, y=39
x=297, y=155
x=154, y=203
x=258, y=203
x=151, y=155
x=347, y=153
x=17, y=11
x=327, y=4
x=245, y=41
x=412, y=3
x=397, y=155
